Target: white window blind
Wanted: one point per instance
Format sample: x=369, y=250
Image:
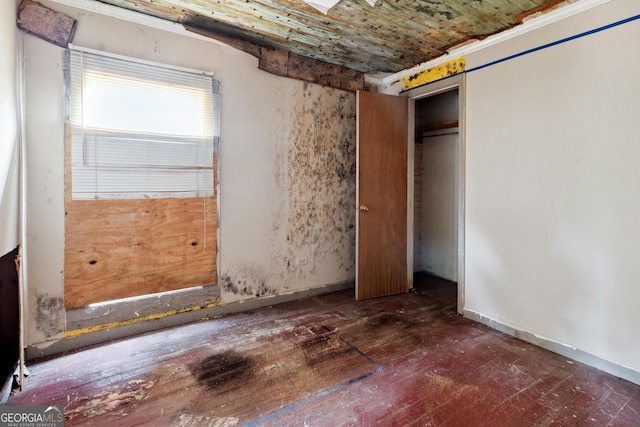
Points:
x=140, y=130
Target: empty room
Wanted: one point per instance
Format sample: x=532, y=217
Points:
x=198, y=223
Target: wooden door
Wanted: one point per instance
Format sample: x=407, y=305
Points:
x=381, y=225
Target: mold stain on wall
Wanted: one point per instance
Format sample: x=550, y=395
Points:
x=247, y=280
x=322, y=171
x=50, y=315
x=312, y=208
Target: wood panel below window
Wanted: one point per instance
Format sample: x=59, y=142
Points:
x=124, y=248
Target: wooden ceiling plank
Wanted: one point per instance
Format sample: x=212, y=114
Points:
x=388, y=37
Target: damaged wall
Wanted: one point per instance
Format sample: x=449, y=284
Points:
x=307, y=190
x=287, y=165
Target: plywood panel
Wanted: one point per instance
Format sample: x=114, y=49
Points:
x=122, y=248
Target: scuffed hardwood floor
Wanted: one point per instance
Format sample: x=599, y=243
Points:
x=407, y=360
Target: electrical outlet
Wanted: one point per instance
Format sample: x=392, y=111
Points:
x=301, y=261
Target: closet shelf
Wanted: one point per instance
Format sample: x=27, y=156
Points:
x=420, y=130
x=437, y=126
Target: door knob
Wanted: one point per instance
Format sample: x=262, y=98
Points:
x=364, y=208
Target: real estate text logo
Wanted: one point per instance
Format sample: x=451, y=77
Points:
x=31, y=416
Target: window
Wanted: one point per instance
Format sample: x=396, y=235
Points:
x=140, y=130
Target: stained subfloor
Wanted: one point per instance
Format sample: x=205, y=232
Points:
x=406, y=360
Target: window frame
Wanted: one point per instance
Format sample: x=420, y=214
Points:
x=198, y=171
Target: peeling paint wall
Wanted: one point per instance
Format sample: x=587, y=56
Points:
x=287, y=169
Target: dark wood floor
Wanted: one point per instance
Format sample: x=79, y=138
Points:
x=406, y=360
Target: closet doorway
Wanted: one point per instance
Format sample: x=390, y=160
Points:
x=438, y=190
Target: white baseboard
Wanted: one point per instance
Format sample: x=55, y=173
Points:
x=565, y=350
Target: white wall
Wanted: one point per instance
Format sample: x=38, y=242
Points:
x=552, y=201
x=45, y=190
x=439, y=206
x=9, y=136
x=287, y=168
